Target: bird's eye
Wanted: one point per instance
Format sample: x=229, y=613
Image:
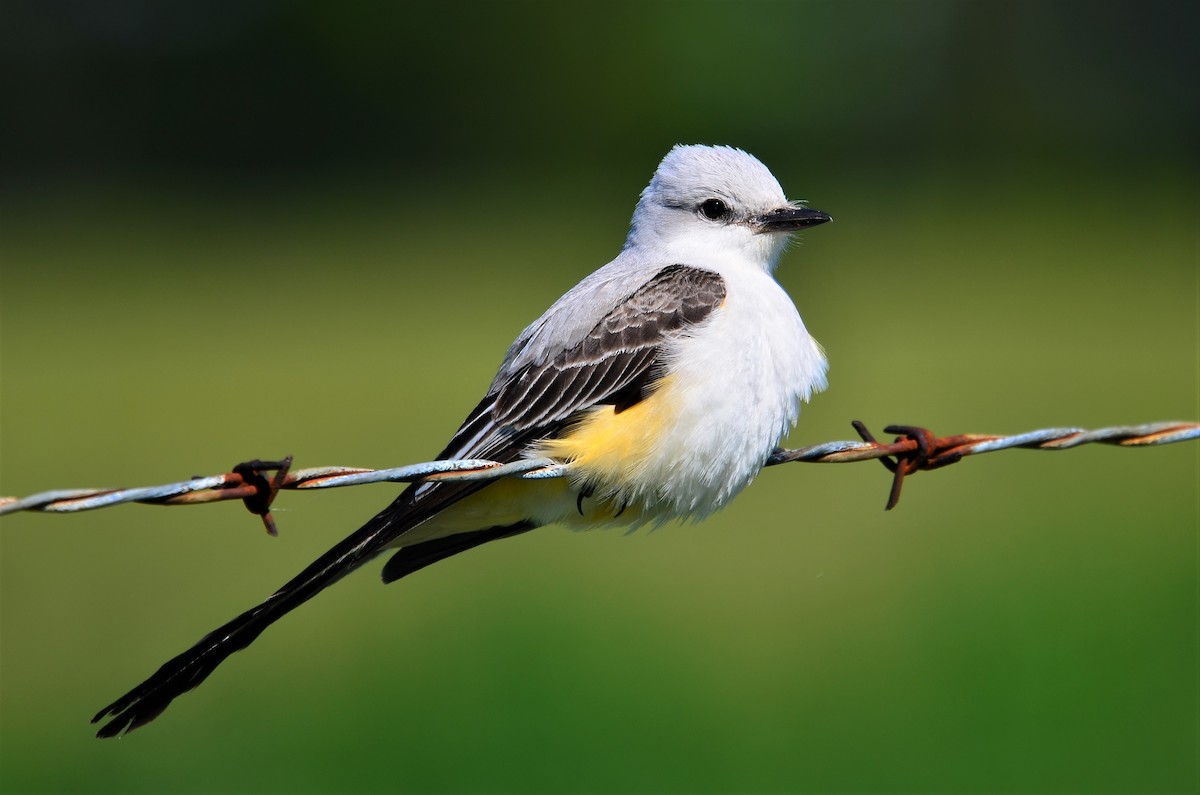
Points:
x=714, y=209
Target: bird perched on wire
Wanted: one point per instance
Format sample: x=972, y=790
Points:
x=665, y=379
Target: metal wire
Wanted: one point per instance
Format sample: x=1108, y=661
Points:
x=914, y=449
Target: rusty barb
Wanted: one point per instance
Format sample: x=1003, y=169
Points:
x=914, y=449
x=259, y=503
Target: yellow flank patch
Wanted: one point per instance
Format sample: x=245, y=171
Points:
x=505, y=502
x=608, y=448
x=610, y=452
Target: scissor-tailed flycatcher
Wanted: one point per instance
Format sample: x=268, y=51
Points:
x=665, y=378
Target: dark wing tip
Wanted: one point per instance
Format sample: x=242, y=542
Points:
x=136, y=708
x=121, y=722
x=113, y=728
x=180, y=674
x=406, y=560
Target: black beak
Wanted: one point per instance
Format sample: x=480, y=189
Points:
x=789, y=219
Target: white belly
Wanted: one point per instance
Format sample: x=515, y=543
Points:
x=747, y=372
x=731, y=392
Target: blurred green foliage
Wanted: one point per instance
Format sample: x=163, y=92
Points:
x=247, y=230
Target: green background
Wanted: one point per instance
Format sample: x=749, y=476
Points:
x=240, y=231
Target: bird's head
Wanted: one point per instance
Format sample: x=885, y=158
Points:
x=712, y=201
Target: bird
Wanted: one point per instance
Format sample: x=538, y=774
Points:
x=664, y=380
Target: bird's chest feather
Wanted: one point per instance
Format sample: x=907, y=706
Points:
x=730, y=392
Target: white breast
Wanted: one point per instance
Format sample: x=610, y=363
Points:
x=740, y=378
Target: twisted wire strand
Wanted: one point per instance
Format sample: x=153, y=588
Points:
x=931, y=452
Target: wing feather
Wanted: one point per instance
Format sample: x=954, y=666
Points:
x=622, y=348
x=615, y=363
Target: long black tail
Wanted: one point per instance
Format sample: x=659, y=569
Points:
x=178, y=675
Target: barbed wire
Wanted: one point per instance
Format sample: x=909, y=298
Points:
x=913, y=449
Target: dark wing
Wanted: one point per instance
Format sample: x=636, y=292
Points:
x=613, y=364
x=616, y=355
